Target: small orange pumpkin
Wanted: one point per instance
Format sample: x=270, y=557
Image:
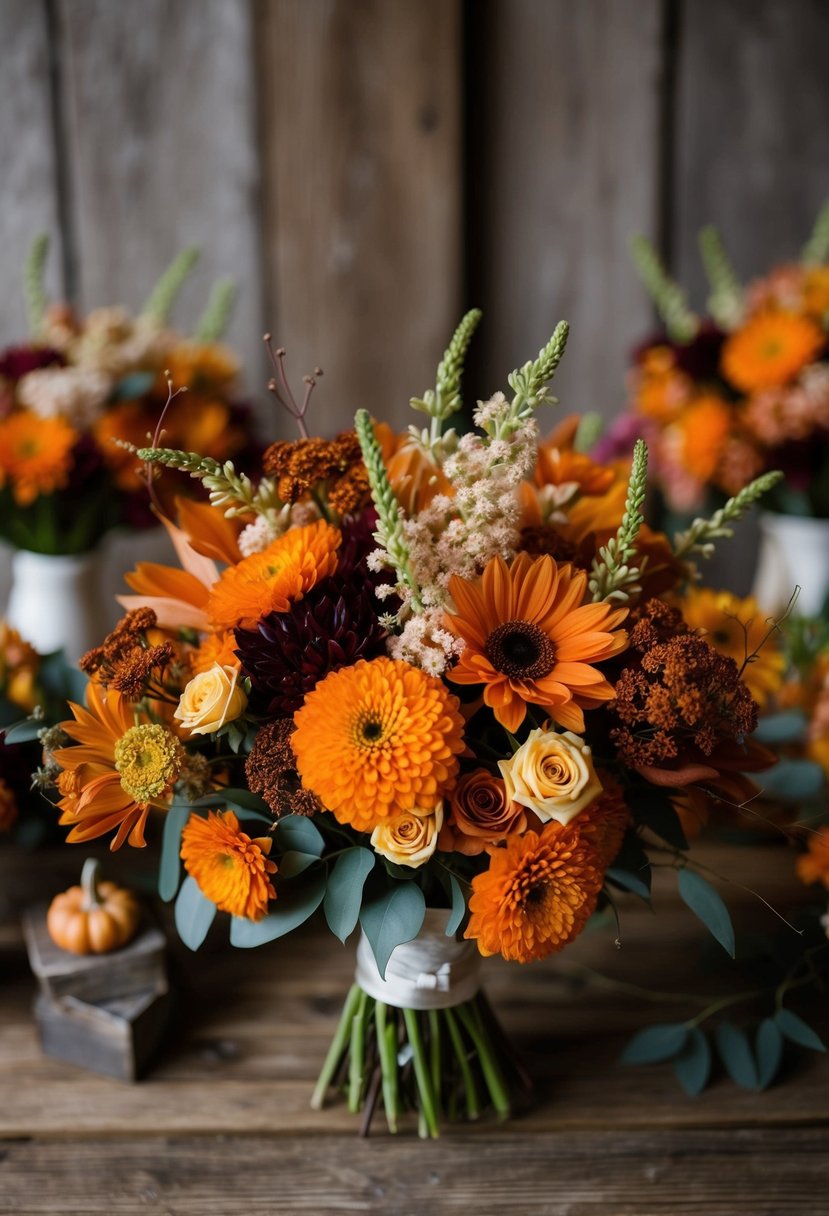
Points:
x=95, y=917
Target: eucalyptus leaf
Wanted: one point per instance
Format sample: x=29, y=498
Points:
x=736, y=1054
x=458, y=911
x=693, y=1064
x=631, y=867
x=391, y=917
x=298, y=832
x=788, y=726
x=23, y=732
x=769, y=1050
x=798, y=1031
x=294, y=862
x=655, y=811
x=295, y=903
x=194, y=914
x=793, y=780
x=345, y=890
x=169, y=866
x=656, y=1043
x=628, y=881
x=705, y=903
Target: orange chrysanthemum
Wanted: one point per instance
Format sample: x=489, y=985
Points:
x=35, y=456
x=537, y=894
x=814, y=865
x=119, y=770
x=230, y=867
x=216, y=648
x=530, y=639
x=770, y=349
x=737, y=628
x=378, y=738
x=660, y=389
x=272, y=580
x=703, y=430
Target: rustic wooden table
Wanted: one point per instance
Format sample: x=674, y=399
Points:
x=222, y=1125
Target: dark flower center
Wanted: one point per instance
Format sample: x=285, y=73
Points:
x=521, y=651
x=372, y=730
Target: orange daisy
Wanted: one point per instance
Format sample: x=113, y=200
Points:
x=736, y=627
x=537, y=894
x=770, y=349
x=35, y=455
x=117, y=773
x=703, y=430
x=814, y=865
x=272, y=580
x=378, y=738
x=562, y=466
x=230, y=867
x=530, y=639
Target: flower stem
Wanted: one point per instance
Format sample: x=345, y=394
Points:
x=470, y=1089
x=387, y=1047
x=429, y=1122
x=356, y=1066
x=470, y=1018
x=434, y=1051
x=335, y=1051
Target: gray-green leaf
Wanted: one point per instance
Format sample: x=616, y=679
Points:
x=169, y=866
x=798, y=1031
x=705, y=903
x=294, y=904
x=656, y=1043
x=393, y=917
x=194, y=914
x=693, y=1064
x=345, y=891
x=736, y=1055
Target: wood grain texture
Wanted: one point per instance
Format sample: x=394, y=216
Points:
x=361, y=103
x=160, y=121
x=563, y=125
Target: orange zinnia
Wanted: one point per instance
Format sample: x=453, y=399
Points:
x=378, y=738
x=35, y=455
x=770, y=349
x=703, y=430
x=530, y=639
x=272, y=580
x=118, y=772
x=537, y=894
x=230, y=867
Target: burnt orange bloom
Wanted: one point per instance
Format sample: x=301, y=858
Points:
x=376, y=739
x=230, y=867
x=660, y=388
x=559, y=466
x=604, y=822
x=35, y=455
x=770, y=349
x=537, y=894
x=703, y=430
x=272, y=580
x=737, y=628
x=814, y=865
x=479, y=813
x=531, y=639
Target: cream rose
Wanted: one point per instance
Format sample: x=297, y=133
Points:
x=408, y=838
x=211, y=699
x=552, y=774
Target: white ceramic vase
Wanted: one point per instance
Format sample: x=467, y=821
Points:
x=794, y=552
x=55, y=601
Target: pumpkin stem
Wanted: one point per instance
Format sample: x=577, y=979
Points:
x=90, y=875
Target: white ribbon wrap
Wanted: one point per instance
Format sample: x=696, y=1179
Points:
x=432, y=971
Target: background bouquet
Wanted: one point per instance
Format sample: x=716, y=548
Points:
x=438, y=684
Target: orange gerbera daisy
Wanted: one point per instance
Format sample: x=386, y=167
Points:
x=736, y=627
x=118, y=772
x=530, y=639
x=703, y=430
x=272, y=580
x=230, y=867
x=537, y=894
x=814, y=865
x=770, y=349
x=378, y=738
x=562, y=466
x=35, y=456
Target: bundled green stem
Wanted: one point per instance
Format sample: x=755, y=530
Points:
x=668, y=297
x=613, y=577
x=700, y=537
x=164, y=294
x=233, y=491
x=725, y=301
x=33, y=282
x=217, y=313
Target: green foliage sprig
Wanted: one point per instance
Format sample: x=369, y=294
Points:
x=389, y=516
x=612, y=577
x=669, y=299
x=816, y=249
x=725, y=301
x=589, y=432
x=445, y=400
x=217, y=313
x=233, y=491
x=33, y=288
x=163, y=296
x=700, y=537
x=529, y=385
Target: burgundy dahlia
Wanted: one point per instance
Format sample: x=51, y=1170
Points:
x=17, y=361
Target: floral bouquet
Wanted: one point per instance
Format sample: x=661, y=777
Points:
x=80, y=384
x=435, y=684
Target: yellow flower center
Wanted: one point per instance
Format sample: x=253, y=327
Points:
x=149, y=759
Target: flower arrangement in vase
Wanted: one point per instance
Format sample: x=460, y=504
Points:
x=430, y=683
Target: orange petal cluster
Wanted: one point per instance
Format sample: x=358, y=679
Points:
x=231, y=868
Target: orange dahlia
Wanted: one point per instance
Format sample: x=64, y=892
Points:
x=378, y=738
x=272, y=580
x=230, y=867
x=770, y=349
x=703, y=429
x=537, y=894
x=530, y=639
x=119, y=770
x=35, y=456
x=737, y=628
x=216, y=648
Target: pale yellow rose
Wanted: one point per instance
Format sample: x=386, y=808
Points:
x=408, y=838
x=210, y=700
x=552, y=774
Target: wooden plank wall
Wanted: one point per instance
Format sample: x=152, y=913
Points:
x=369, y=168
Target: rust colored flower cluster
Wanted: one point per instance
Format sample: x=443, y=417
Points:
x=271, y=771
x=336, y=465
x=126, y=661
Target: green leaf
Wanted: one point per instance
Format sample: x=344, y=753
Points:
x=656, y=1043
x=392, y=917
x=789, y=726
x=458, y=911
x=631, y=868
x=244, y=800
x=769, y=1050
x=793, y=780
x=294, y=862
x=298, y=832
x=693, y=1065
x=295, y=903
x=194, y=914
x=655, y=811
x=798, y=1031
x=736, y=1055
x=169, y=866
x=705, y=903
x=345, y=891
x=23, y=732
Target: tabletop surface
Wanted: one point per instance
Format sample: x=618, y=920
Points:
x=222, y=1124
